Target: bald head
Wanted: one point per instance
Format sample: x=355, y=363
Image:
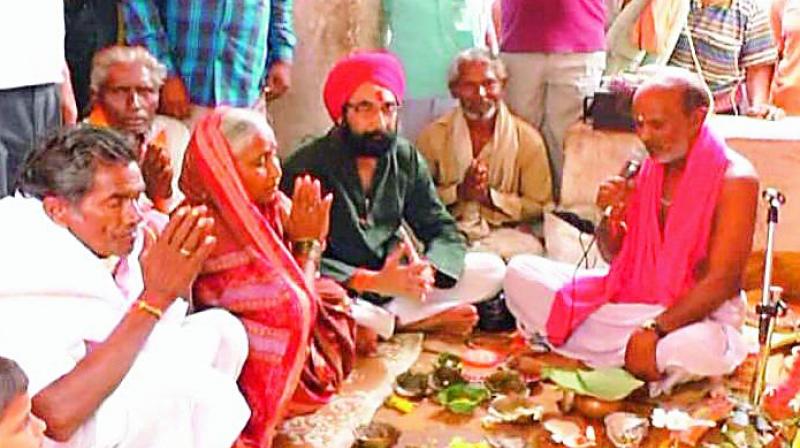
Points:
x=689, y=85
x=666, y=133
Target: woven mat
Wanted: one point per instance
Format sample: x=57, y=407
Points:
x=364, y=392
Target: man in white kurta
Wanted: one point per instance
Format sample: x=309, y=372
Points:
x=73, y=294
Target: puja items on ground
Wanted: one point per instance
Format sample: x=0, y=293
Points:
x=459, y=442
x=609, y=384
x=399, y=403
x=447, y=372
x=570, y=434
x=462, y=398
x=506, y=382
x=625, y=429
x=783, y=401
x=593, y=393
x=413, y=385
x=747, y=428
x=513, y=409
x=376, y=435
x=592, y=407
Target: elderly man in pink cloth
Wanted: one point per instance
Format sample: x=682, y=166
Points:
x=677, y=236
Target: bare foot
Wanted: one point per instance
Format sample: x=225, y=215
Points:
x=718, y=387
x=366, y=341
x=458, y=321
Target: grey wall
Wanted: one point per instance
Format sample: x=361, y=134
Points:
x=326, y=31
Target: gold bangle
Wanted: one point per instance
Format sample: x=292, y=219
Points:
x=306, y=246
x=141, y=304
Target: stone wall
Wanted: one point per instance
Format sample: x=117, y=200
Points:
x=326, y=30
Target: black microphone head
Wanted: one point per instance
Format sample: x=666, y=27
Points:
x=631, y=168
x=773, y=195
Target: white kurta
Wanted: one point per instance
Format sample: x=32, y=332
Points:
x=55, y=296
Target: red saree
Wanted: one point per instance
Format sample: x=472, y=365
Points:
x=301, y=347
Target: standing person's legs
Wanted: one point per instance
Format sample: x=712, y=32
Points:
x=29, y=114
x=525, y=90
x=525, y=86
x=3, y=170
x=569, y=79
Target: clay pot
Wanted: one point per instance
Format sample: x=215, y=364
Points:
x=591, y=407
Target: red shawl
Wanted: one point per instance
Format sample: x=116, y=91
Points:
x=300, y=348
x=651, y=268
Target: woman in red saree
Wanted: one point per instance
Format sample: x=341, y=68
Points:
x=301, y=345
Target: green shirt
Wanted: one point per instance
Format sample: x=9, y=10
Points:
x=364, y=226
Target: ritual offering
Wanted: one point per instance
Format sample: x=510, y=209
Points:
x=376, y=435
x=626, y=430
x=463, y=398
x=609, y=384
x=459, y=442
x=570, y=434
x=513, y=409
x=447, y=372
x=592, y=407
x=412, y=385
x=399, y=403
x=505, y=382
x=481, y=357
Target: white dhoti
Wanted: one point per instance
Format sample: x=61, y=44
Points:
x=180, y=392
x=482, y=279
x=711, y=347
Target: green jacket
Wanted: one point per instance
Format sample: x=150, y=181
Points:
x=364, y=225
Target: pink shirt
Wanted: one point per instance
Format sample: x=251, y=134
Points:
x=553, y=26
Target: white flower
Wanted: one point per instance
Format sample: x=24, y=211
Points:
x=677, y=420
x=794, y=404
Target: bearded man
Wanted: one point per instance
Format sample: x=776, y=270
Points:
x=490, y=167
x=381, y=185
x=677, y=235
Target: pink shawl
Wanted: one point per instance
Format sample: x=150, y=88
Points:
x=650, y=268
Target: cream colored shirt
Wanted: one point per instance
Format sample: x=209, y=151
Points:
x=519, y=190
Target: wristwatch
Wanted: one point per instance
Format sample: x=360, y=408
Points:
x=651, y=324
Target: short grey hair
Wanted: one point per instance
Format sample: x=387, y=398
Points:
x=104, y=59
x=476, y=54
x=65, y=165
x=13, y=383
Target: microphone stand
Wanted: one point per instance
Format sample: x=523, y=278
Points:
x=771, y=305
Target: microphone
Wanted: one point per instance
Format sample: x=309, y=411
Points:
x=630, y=171
x=773, y=197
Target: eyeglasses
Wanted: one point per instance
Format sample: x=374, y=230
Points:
x=368, y=107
